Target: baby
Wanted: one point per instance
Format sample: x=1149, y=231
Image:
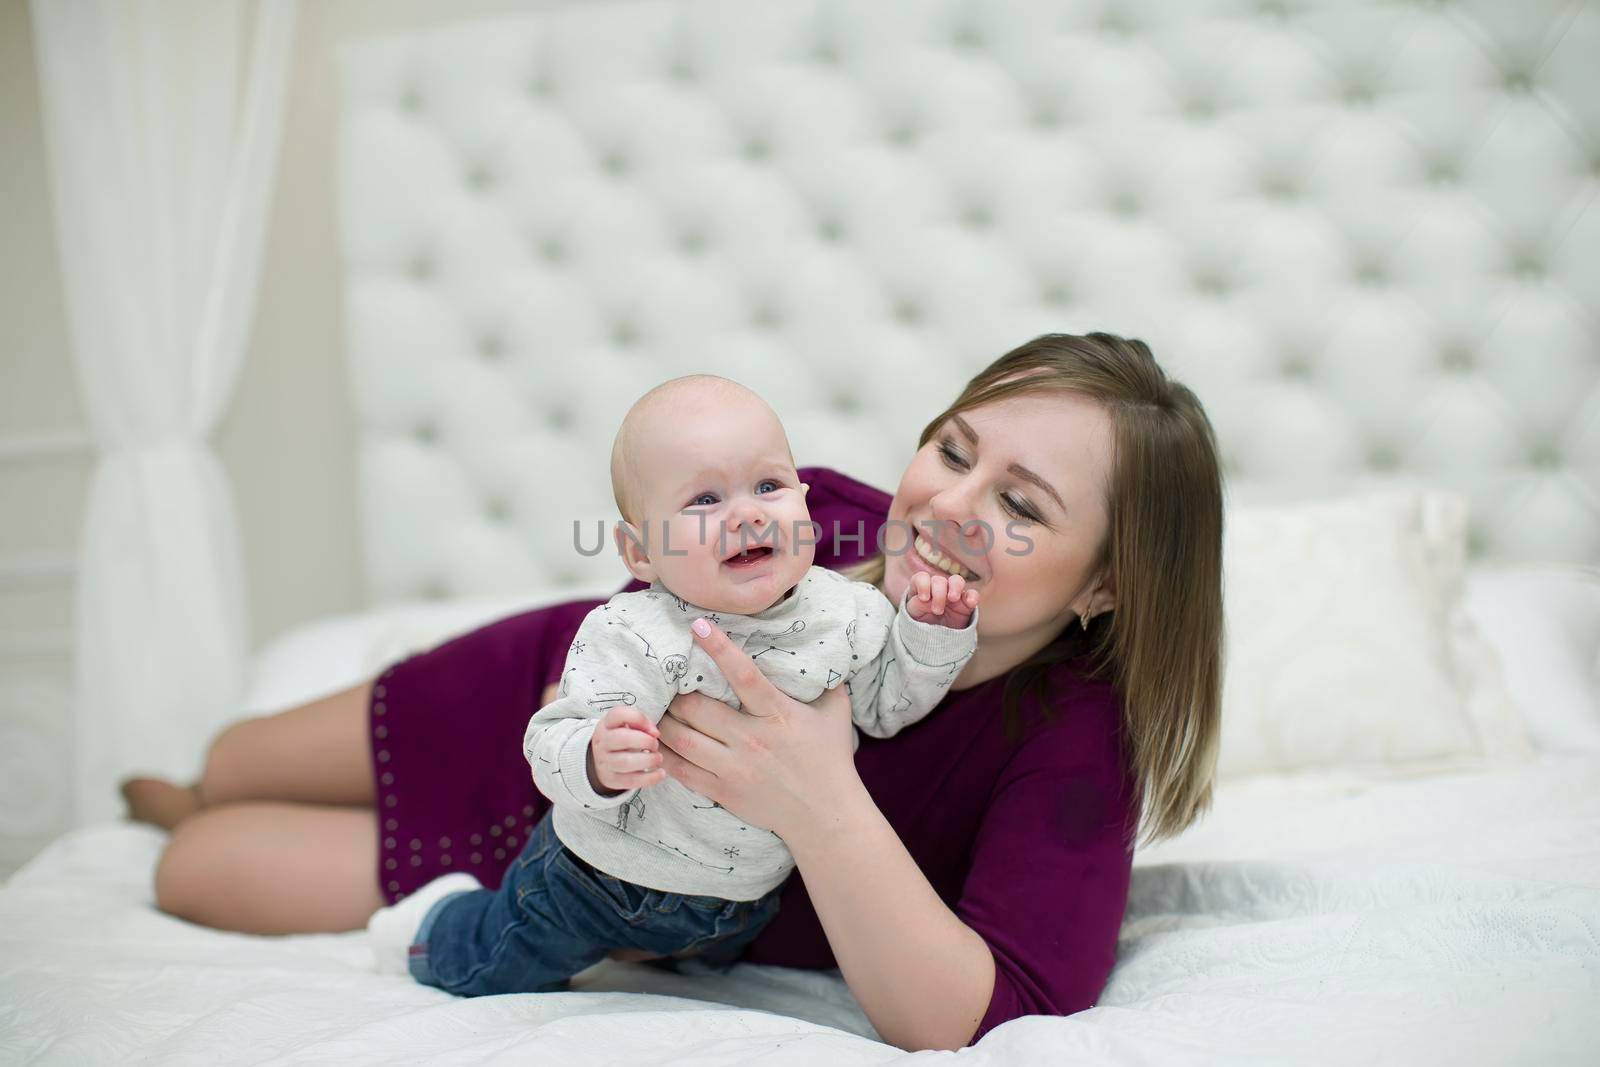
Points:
x=714, y=518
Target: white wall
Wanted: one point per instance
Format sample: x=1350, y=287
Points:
x=288, y=443
x=44, y=469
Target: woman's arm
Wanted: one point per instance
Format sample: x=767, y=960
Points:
x=924, y=978
x=1046, y=881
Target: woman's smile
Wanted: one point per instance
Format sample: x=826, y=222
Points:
x=936, y=561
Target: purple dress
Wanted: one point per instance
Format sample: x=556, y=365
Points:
x=1027, y=841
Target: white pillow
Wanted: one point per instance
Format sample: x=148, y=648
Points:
x=328, y=654
x=1545, y=620
x=1349, y=645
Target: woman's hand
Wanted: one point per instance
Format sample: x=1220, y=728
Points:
x=776, y=763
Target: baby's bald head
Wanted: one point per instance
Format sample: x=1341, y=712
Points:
x=650, y=423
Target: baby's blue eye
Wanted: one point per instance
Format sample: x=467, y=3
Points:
x=707, y=499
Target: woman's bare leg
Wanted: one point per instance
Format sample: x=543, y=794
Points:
x=316, y=753
x=273, y=868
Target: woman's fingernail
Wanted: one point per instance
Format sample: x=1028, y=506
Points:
x=701, y=628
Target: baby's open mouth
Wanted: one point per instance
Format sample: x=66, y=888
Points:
x=750, y=557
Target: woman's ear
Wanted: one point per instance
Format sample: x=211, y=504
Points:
x=1104, y=597
x=634, y=550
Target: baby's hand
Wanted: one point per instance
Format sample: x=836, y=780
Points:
x=941, y=599
x=624, y=752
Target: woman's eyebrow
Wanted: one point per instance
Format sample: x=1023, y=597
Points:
x=1016, y=468
x=1028, y=476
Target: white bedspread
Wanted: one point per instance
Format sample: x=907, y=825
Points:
x=1445, y=920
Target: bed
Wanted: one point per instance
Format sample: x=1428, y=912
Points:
x=1365, y=234
x=1313, y=917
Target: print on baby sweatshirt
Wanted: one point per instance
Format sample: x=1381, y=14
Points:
x=637, y=650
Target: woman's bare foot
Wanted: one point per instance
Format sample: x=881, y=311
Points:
x=160, y=802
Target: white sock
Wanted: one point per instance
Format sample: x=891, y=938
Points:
x=391, y=930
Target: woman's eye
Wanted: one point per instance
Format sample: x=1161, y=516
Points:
x=1021, y=511
x=1013, y=506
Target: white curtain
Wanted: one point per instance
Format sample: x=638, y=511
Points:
x=162, y=119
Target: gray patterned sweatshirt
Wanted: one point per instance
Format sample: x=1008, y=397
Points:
x=636, y=649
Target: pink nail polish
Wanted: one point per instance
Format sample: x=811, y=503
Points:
x=701, y=627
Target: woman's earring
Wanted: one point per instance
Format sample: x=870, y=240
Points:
x=1083, y=620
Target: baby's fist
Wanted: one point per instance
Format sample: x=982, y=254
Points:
x=944, y=600
x=624, y=752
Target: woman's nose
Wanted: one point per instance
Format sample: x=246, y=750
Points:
x=952, y=504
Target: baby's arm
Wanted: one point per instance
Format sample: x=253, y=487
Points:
x=600, y=730
x=918, y=661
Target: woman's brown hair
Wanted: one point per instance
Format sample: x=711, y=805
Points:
x=1161, y=646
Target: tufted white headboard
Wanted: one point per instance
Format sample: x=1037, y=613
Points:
x=1366, y=234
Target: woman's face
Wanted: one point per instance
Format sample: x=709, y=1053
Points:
x=1015, y=493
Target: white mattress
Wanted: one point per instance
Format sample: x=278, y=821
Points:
x=1451, y=919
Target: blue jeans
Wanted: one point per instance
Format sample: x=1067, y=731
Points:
x=555, y=915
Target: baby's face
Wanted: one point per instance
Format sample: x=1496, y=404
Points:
x=724, y=511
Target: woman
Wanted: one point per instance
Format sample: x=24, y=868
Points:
x=972, y=869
